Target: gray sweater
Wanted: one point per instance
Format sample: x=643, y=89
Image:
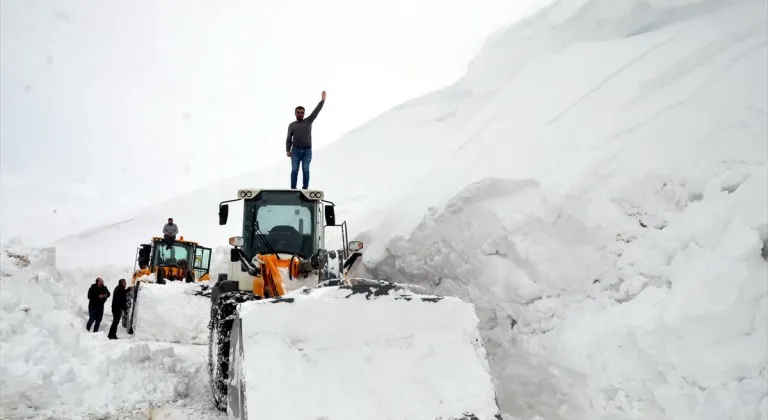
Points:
x=300, y=132
x=170, y=229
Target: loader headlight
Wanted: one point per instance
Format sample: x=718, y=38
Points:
x=237, y=241
x=355, y=245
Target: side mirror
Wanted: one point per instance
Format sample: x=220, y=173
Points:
x=330, y=215
x=237, y=241
x=223, y=214
x=355, y=245
x=234, y=256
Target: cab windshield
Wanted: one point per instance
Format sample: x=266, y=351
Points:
x=178, y=253
x=285, y=218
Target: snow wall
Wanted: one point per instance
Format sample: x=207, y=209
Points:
x=614, y=232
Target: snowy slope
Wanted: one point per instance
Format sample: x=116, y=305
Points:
x=595, y=184
x=613, y=246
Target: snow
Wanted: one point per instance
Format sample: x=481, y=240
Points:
x=625, y=241
x=351, y=356
x=595, y=185
x=173, y=312
x=53, y=368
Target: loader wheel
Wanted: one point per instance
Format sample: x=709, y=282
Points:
x=126, y=315
x=223, y=287
x=132, y=308
x=235, y=384
x=222, y=317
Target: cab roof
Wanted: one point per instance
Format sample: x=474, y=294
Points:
x=246, y=193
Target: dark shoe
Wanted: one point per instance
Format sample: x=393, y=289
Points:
x=112, y=337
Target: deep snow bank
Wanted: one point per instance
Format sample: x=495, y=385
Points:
x=610, y=94
x=614, y=223
x=654, y=323
x=51, y=367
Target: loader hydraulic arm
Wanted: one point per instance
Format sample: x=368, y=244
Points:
x=237, y=254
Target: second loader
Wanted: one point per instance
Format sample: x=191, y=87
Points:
x=166, y=290
x=297, y=333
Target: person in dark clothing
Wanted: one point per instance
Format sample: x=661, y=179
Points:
x=97, y=296
x=118, y=306
x=298, y=144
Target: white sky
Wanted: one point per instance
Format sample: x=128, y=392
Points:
x=132, y=102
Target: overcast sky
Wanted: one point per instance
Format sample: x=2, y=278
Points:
x=127, y=103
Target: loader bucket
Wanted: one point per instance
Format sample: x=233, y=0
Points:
x=359, y=352
x=176, y=312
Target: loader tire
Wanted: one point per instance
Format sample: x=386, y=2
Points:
x=236, y=406
x=223, y=287
x=223, y=314
x=126, y=315
x=131, y=311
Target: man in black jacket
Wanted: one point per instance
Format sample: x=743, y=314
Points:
x=97, y=296
x=118, y=305
x=298, y=144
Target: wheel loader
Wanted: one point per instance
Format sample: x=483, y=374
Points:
x=157, y=263
x=180, y=261
x=296, y=333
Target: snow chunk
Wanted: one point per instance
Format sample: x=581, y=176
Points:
x=172, y=312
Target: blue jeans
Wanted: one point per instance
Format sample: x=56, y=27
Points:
x=303, y=157
x=94, y=318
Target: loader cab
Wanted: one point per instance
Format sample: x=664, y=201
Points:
x=179, y=254
x=185, y=260
x=288, y=222
x=293, y=222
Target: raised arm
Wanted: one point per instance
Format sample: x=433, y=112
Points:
x=317, y=109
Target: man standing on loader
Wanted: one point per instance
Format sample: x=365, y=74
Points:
x=298, y=144
x=169, y=233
